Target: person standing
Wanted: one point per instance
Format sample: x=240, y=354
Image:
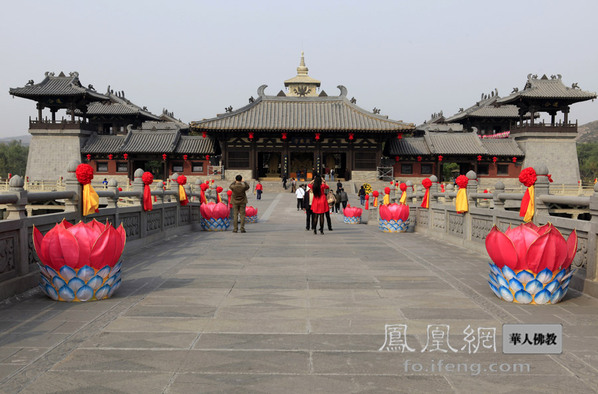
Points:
x=344, y=198
x=332, y=174
x=337, y=204
x=239, y=200
x=258, y=190
x=299, y=194
x=319, y=205
x=361, y=195
x=331, y=199
x=307, y=198
x=284, y=181
x=293, y=185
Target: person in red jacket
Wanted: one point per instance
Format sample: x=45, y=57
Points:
x=319, y=204
x=258, y=190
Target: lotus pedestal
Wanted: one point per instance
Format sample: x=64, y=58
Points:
x=80, y=284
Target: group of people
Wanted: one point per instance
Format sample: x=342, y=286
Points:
x=317, y=199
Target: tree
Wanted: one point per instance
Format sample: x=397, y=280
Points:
x=13, y=158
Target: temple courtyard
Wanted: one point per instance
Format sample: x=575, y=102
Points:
x=281, y=310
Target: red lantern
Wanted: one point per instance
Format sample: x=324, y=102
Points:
x=479, y=157
x=185, y=157
x=439, y=157
x=250, y=135
x=110, y=156
x=494, y=159
x=203, y=134
x=514, y=159
x=126, y=156
x=284, y=136
x=400, y=136
x=164, y=156
x=351, y=136
x=317, y=136
x=207, y=157
x=397, y=158
x=419, y=158
x=88, y=157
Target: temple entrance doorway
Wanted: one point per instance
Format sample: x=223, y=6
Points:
x=268, y=164
x=301, y=165
x=336, y=162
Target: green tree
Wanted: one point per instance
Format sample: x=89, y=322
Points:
x=587, y=154
x=13, y=158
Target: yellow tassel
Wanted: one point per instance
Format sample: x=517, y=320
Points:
x=182, y=194
x=529, y=214
x=91, y=200
x=403, y=198
x=386, y=199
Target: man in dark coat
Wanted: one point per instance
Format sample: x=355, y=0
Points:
x=239, y=201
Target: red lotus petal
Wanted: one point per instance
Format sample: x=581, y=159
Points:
x=85, y=236
x=103, y=250
x=66, y=223
x=540, y=254
x=220, y=211
x=531, y=225
x=98, y=227
x=403, y=212
x=62, y=247
x=501, y=249
x=116, y=252
x=383, y=211
x=544, y=229
x=522, y=237
x=37, y=243
x=571, y=249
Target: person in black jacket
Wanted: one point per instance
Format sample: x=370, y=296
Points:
x=307, y=207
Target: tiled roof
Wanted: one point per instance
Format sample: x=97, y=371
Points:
x=444, y=143
x=103, y=144
x=61, y=85
x=548, y=88
x=502, y=147
x=409, y=146
x=332, y=113
x=491, y=111
x=150, y=141
x=117, y=106
x=454, y=143
x=195, y=144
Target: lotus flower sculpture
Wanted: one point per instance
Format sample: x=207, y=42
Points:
x=531, y=264
x=214, y=216
x=352, y=215
x=250, y=214
x=393, y=218
x=80, y=262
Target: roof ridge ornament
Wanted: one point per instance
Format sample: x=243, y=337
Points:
x=260, y=90
x=343, y=90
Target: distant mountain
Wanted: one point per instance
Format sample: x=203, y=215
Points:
x=25, y=139
x=587, y=132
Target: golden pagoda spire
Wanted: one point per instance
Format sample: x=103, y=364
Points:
x=302, y=69
x=302, y=85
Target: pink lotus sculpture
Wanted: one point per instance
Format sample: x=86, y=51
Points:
x=393, y=218
x=352, y=215
x=214, y=216
x=250, y=214
x=531, y=264
x=80, y=262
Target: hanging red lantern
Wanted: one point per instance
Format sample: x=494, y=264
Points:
x=317, y=136
x=397, y=158
x=400, y=136
x=351, y=136
x=419, y=158
x=207, y=157
x=494, y=159
x=110, y=156
x=439, y=157
x=88, y=157
x=185, y=157
x=479, y=157
x=203, y=134
x=126, y=156
x=164, y=156
x=284, y=136
x=250, y=135
x=514, y=159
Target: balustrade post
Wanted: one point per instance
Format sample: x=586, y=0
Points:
x=450, y=188
x=111, y=201
x=472, y=187
x=541, y=188
x=18, y=210
x=498, y=188
x=72, y=184
x=410, y=192
x=138, y=187
x=433, y=189
x=592, y=267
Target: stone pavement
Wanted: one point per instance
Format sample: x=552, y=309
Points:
x=281, y=310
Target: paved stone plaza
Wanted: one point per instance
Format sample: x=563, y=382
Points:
x=281, y=310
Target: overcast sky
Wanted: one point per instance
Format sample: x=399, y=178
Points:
x=408, y=58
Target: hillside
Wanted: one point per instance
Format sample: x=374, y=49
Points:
x=588, y=132
x=25, y=139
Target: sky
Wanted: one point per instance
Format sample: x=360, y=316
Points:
x=408, y=58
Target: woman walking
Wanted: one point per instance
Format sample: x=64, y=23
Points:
x=319, y=204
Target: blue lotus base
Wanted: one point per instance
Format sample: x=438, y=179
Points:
x=352, y=219
x=220, y=224
x=526, y=287
x=251, y=219
x=80, y=284
x=392, y=226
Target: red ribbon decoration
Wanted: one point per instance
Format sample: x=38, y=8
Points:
x=427, y=184
x=229, y=193
x=202, y=194
x=367, y=201
x=147, y=179
x=182, y=180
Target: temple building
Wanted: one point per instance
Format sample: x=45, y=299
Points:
x=301, y=132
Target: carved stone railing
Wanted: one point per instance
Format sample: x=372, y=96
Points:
x=470, y=229
x=18, y=268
